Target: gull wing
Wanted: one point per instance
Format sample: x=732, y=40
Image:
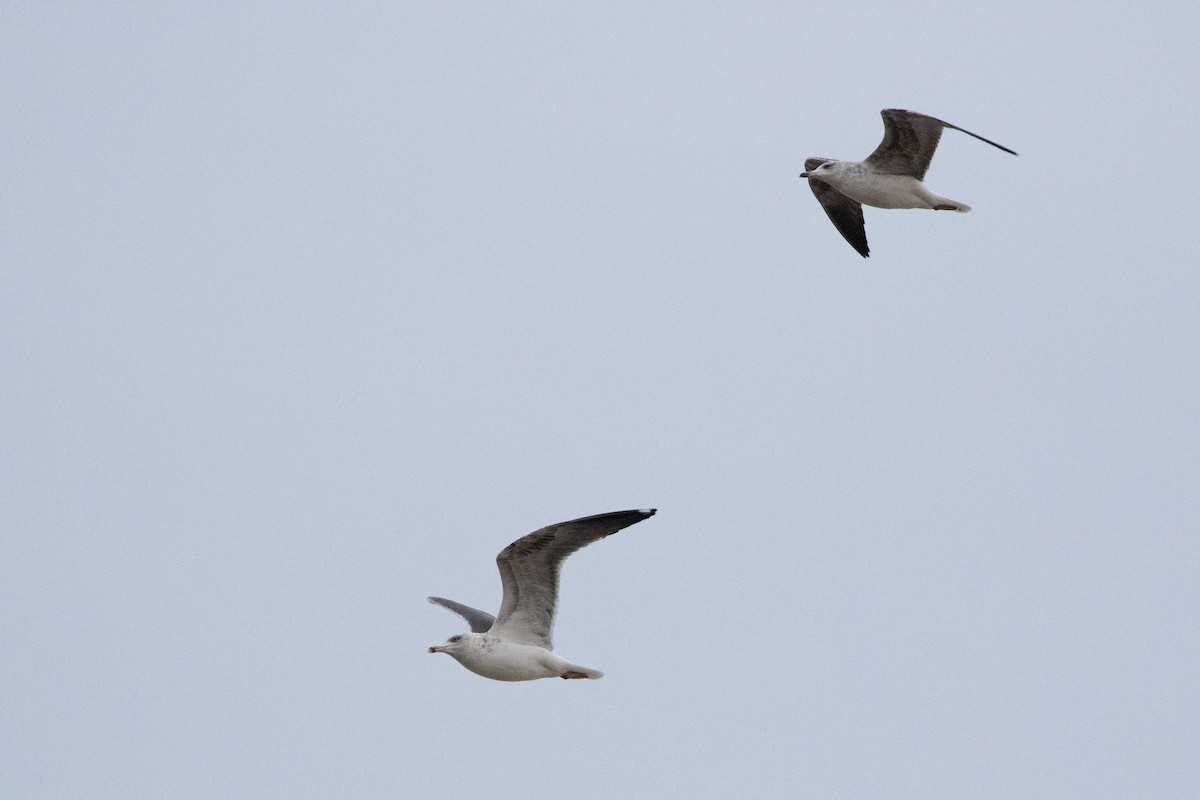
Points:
x=529, y=570
x=480, y=621
x=909, y=141
x=845, y=214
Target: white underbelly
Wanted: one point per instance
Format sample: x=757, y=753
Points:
x=887, y=191
x=506, y=661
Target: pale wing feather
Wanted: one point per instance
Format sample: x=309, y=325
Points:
x=529, y=570
x=480, y=621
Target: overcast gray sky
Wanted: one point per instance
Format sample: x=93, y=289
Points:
x=306, y=313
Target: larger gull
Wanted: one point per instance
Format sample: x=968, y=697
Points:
x=517, y=644
x=891, y=177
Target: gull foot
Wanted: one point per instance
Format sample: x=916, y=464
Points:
x=572, y=674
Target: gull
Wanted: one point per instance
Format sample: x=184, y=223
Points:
x=891, y=177
x=517, y=644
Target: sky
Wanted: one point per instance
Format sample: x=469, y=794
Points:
x=308, y=311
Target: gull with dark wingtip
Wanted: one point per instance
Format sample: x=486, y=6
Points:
x=517, y=644
x=891, y=177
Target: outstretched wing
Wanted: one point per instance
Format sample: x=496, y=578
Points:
x=845, y=214
x=909, y=141
x=529, y=570
x=480, y=621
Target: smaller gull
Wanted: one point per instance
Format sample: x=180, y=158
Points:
x=891, y=177
x=517, y=644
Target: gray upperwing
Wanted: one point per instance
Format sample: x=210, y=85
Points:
x=529, y=570
x=845, y=214
x=480, y=621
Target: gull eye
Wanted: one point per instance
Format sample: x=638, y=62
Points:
x=455, y=638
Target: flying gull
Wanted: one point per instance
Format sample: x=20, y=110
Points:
x=516, y=644
x=891, y=177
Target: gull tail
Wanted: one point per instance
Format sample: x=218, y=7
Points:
x=939, y=203
x=946, y=204
x=574, y=671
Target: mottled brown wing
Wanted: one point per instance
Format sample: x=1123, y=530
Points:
x=910, y=140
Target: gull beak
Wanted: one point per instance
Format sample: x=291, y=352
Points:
x=435, y=649
x=803, y=174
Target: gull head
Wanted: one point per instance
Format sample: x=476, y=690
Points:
x=454, y=645
x=827, y=170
